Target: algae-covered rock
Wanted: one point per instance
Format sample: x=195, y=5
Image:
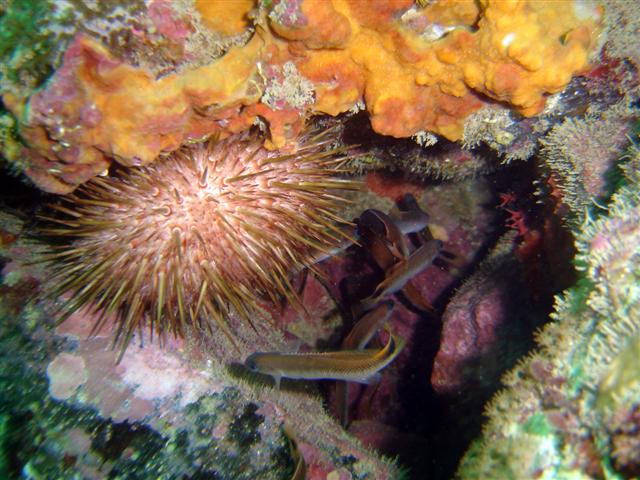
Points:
x=570, y=409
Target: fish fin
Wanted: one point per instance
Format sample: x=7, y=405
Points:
x=276, y=381
x=293, y=345
x=370, y=380
x=398, y=249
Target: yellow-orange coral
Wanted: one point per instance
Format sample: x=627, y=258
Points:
x=412, y=81
x=413, y=68
x=99, y=106
x=324, y=27
x=227, y=17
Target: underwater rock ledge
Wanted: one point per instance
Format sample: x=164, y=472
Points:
x=570, y=408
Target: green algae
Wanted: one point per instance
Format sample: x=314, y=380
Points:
x=537, y=424
x=26, y=43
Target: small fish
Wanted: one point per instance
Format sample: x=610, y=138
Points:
x=410, y=217
x=367, y=326
x=379, y=250
x=400, y=273
x=358, y=338
x=381, y=225
x=350, y=365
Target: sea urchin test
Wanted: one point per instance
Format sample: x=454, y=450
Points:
x=215, y=227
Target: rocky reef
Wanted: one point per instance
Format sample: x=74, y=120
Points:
x=502, y=135
x=570, y=407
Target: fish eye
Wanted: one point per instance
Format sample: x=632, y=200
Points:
x=250, y=364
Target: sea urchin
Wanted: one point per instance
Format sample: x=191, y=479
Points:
x=175, y=246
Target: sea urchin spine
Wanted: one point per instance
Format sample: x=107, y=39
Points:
x=215, y=227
